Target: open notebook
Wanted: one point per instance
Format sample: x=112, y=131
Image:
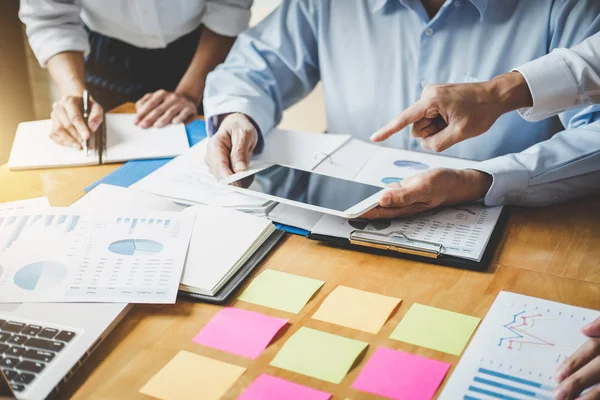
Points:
x=223, y=240
x=33, y=148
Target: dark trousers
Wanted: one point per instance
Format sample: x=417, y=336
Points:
x=117, y=72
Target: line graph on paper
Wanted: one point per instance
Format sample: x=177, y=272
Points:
x=529, y=342
x=517, y=348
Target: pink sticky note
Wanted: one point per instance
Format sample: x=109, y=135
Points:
x=241, y=332
x=267, y=387
x=401, y=376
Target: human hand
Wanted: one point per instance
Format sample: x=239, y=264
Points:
x=581, y=370
x=448, y=114
x=230, y=149
x=430, y=189
x=161, y=108
x=69, y=128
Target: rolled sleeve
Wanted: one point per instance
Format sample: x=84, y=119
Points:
x=227, y=17
x=53, y=27
x=548, y=99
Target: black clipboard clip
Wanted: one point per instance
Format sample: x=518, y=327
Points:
x=396, y=241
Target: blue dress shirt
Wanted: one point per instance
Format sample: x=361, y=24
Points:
x=374, y=58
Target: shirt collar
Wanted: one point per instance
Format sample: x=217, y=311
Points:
x=481, y=5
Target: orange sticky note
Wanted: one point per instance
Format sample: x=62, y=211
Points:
x=356, y=309
x=189, y=375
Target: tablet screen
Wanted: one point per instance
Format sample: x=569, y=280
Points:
x=308, y=187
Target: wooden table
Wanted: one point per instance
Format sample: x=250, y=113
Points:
x=552, y=253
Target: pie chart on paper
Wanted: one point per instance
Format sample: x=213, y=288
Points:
x=135, y=247
x=40, y=275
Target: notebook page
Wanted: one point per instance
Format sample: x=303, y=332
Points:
x=33, y=148
x=126, y=141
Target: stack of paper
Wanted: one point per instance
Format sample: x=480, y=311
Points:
x=125, y=141
x=222, y=239
x=187, y=180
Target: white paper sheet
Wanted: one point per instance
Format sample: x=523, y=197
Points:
x=302, y=150
x=517, y=349
x=295, y=216
x=463, y=231
x=35, y=203
x=111, y=197
x=60, y=255
x=348, y=160
x=125, y=141
x=187, y=179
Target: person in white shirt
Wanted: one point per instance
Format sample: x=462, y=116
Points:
x=448, y=114
x=154, y=53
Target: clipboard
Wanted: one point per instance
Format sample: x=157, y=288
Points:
x=239, y=278
x=397, y=244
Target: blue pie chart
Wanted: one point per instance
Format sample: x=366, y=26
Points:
x=419, y=166
x=390, y=179
x=40, y=275
x=135, y=247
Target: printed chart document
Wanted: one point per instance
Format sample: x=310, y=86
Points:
x=117, y=257
x=462, y=231
x=517, y=349
x=125, y=141
x=38, y=202
x=222, y=239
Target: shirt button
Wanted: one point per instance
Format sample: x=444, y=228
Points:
x=429, y=31
x=501, y=200
x=457, y=3
x=423, y=84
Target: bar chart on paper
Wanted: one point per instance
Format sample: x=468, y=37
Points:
x=517, y=349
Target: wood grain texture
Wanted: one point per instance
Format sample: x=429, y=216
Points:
x=550, y=253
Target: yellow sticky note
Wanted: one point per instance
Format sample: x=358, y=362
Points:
x=189, y=375
x=356, y=309
x=436, y=329
x=318, y=354
x=280, y=290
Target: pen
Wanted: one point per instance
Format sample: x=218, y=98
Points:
x=86, y=113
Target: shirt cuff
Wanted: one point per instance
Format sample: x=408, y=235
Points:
x=510, y=180
x=227, y=19
x=551, y=84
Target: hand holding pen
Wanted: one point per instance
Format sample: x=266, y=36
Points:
x=69, y=125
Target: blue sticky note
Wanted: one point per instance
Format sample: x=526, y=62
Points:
x=133, y=171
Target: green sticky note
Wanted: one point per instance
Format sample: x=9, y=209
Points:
x=280, y=290
x=318, y=354
x=436, y=329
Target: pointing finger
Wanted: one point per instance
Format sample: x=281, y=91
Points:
x=412, y=114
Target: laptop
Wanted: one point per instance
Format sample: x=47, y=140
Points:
x=42, y=345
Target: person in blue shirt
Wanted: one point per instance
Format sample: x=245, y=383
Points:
x=375, y=57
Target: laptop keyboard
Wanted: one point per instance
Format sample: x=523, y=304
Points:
x=26, y=350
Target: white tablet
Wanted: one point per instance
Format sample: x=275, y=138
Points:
x=306, y=189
